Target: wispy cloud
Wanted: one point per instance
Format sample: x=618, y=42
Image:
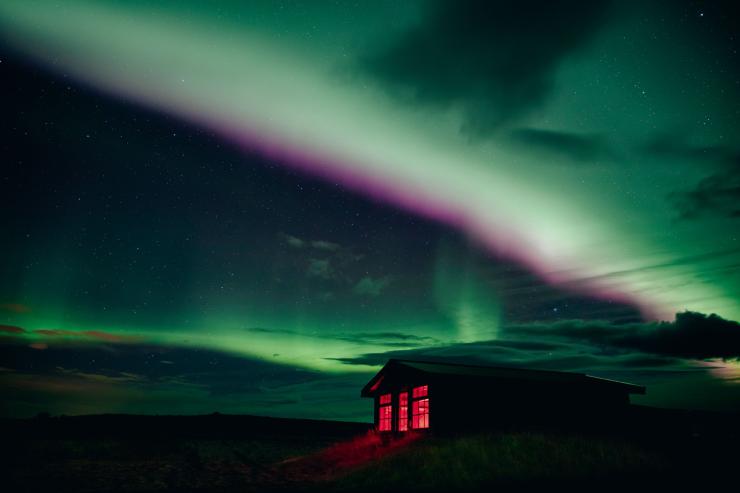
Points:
x=293, y=241
x=385, y=338
x=15, y=307
x=325, y=245
x=718, y=193
x=493, y=60
x=591, y=345
x=321, y=268
x=582, y=148
x=109, y=378
x=370, y=286
x=691, y=335
x=97, y=335
x=296, y=242
x=11, y=329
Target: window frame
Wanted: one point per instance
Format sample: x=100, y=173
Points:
x=420, y=407
x=402, y=423
x=385, y=422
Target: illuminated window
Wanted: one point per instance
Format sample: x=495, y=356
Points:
x=385, y=416
x=420, y=407
x=421, y=391
x=403, y=411
x=420, y=414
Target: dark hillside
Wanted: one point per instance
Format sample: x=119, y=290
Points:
x=225, y=453
x=211, y=426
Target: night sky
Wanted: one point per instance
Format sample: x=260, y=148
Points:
x=248, y=207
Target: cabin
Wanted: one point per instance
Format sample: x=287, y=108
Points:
x=426, y=395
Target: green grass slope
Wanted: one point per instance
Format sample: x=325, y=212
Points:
x=481, y=461
x=661, y=450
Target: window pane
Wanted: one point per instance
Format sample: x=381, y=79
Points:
x=420, y=414
x=385, y=399
x=420, y=391
x=403, y=411
x=385, y=418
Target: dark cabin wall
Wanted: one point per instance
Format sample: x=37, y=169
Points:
x=465, y=403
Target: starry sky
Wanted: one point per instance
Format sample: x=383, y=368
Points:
x=248, y=207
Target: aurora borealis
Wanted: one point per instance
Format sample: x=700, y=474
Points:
x=248, y=206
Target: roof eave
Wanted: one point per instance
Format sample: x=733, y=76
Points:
x=367, y=390
x=637, y=389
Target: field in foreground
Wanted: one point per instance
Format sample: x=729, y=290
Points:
x=243, y=453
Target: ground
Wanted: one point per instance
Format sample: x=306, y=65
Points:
x=243, y=453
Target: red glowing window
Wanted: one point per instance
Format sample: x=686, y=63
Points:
x=385, y=413
x=420, y=414
x=422, y=391
x=403, y=411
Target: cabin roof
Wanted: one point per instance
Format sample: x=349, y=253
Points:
x=495, y=372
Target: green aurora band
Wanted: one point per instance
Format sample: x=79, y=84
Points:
x=605, y=230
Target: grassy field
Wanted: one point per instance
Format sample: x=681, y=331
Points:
x=482, y=461
x=291, y=455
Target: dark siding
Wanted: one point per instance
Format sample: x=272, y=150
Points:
x=459, y=402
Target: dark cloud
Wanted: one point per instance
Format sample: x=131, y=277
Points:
x=528, y=345
x=15, y=307
x=321, y=268
x=717, y=195
x=647, y=361
x=399, y=339
x=331, y=265
x=691, y=335
x=583, y=148
x=108, y=377
x=11, y=329
x=214, y=371
x=527, y=298
x=371, y=286
x=265, y=330
x=600, y=347
x=293, y=241
x=494, y=60
x=507, y=352
x=145, y=378
x=98, y=335
x=108, y=337
x=674, y=146
x=700, y=262
x=326, y=245
x=296, y=242
x=564, y=356
x=389, y=338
